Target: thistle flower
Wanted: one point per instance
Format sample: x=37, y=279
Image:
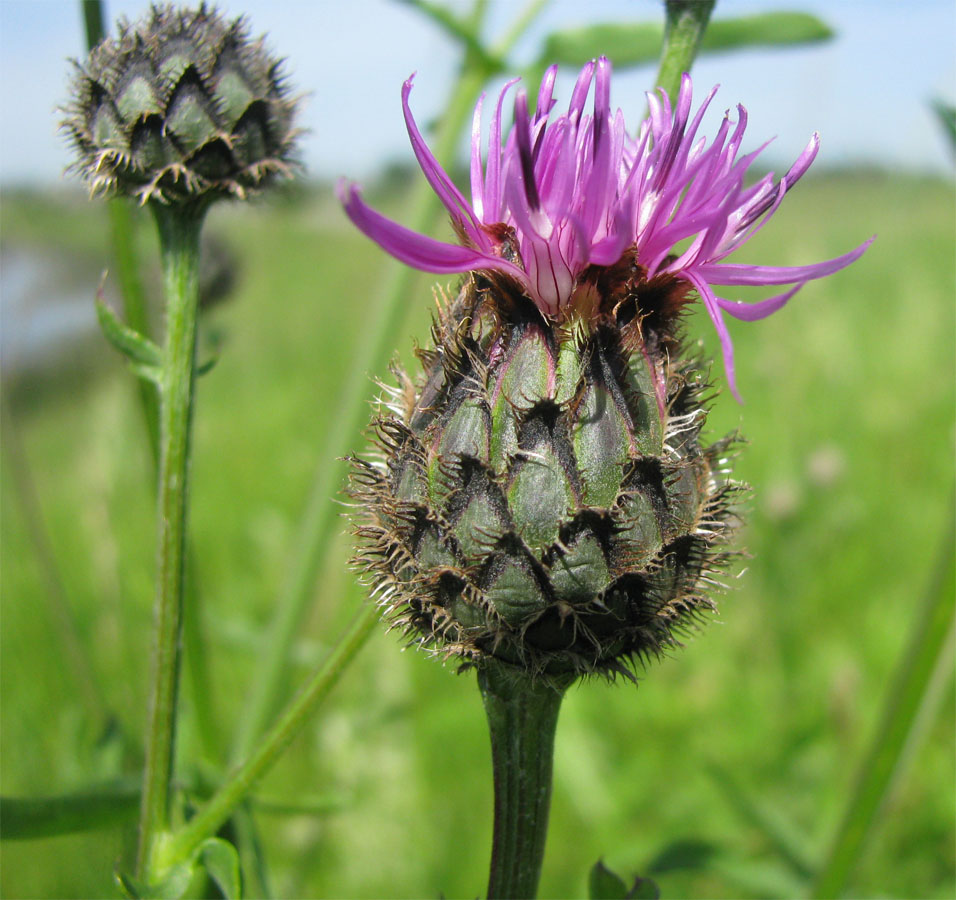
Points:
x=542, y=498
x=182, y=105
x=564, y=194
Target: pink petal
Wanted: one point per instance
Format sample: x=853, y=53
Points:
x=449, y=195
x=730, y=274
x=416, y=250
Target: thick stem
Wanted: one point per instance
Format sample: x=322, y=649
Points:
x=179, y=244
x=686, y=22
x=522, y=717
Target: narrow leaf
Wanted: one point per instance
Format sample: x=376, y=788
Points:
x=685, y=854
x=103, y=806
x=773, y=29
x=639, y=43
x=624, y=45
x=207, y=366
x=221, y=861
x=131, y=344
x=644, y=889
x=603, y=884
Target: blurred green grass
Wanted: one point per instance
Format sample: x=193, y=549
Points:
x=849, y=419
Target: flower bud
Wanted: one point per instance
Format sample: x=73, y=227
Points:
x=180, y=106
x=545, y=499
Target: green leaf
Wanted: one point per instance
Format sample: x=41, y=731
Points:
x=639, y=43
x=774, y=29
x=100, y=806
x=207, y=366
x=139, y=350
x=644, y=889
x=221, y=861
x=686, y=854
x=625, y=45
x=603, y=884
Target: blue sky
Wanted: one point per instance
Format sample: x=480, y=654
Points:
x=867, y=92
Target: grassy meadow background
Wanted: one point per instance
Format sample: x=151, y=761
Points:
x=849, y=420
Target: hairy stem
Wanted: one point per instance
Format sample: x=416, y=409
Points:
x=179, y=244
x=522, y=716
x=686, y=22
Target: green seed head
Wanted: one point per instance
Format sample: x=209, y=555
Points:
x=180, y=106
x=543, y=497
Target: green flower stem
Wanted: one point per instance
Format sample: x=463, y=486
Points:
x=686, y=22
x=179, y=228
x=207, y=821
x=135, y=312
x=522, y=717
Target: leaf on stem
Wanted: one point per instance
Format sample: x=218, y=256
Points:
x=174, y=886
x=603, y=884
x=221, y=861
x=214, y=858
x=143, y=354
x=639, y=43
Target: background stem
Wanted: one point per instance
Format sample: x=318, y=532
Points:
x=179, y=229
x=686, y=22
x=322, y=516
x=205, y=823
x=522, y=718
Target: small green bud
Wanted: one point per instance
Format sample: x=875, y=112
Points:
x=180, y=106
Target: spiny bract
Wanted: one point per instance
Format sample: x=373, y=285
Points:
x=178, y=106
x=543, y=497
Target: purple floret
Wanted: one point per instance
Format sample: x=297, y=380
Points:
x=577, y=190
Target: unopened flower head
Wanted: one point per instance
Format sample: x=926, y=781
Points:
x=565, y=194
x=180, y=106
x=543, y=498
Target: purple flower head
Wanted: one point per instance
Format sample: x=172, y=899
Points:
x=564, y=193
